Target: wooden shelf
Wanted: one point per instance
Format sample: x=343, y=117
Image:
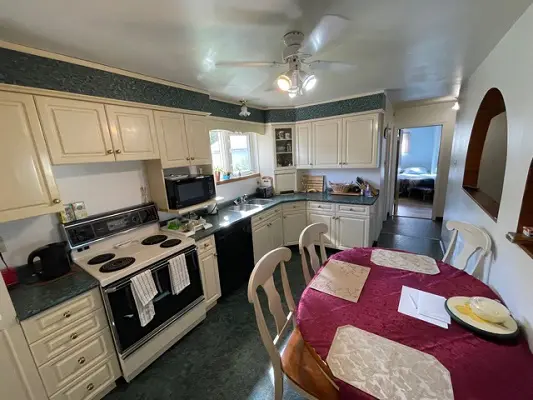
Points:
x=485, y=202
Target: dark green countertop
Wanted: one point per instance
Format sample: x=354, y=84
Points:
x=226, y=217
x=31, y=296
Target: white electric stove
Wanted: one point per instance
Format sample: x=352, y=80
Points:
x=116, y=246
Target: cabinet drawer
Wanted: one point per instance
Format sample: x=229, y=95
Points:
x=93, y=384
x=353, y=209
x=294, y=206
x=206, y=244
x=66, y=338
x=261, y=218
x=60, y=316
x=318, y=206
x=76, y=362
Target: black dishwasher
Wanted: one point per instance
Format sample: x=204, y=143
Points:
x=235, y=255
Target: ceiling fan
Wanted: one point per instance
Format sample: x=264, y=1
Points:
x=298, y=49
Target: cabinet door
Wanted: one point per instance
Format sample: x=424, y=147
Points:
x=351, y=232
x=132, y=132
x=303, y=146
x=262, y=241
x=28, y=186
x=20, y=378
x=75, y=131
x=293, y=225
x=172, y=139
x=198, y=139
x=361, y=138
x=327, y=140
x=329, y=238
x=276, y=232
x=285, y=182
x=210, y=279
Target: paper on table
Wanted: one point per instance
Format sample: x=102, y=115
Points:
x=432, y=305
x=409, y=300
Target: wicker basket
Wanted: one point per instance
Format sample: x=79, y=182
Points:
x=340, y=187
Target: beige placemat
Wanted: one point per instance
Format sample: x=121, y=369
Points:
x=341, y=279
x=405, y=261
x=386, y=369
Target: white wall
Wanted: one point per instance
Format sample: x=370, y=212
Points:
x=102, y=186
x=231, y=191
x=492, y=165
x=433, y=114
x=508, y=68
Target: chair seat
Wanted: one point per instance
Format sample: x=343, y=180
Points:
x=300, y=366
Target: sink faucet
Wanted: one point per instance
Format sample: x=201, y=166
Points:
x=241, y=200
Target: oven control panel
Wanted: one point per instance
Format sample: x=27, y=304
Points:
x=81, y=232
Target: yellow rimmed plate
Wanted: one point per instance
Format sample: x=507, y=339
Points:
x=460, y=311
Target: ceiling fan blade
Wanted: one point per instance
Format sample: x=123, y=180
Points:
x=249, y=64
x=328, y=30
x=334, y=66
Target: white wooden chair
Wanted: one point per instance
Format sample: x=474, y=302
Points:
x=296, y=362
x=307, y=242
x=473, y=238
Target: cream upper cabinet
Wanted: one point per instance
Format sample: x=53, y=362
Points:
x=327, y=140
x=198, y=139
x=28, y=186
x=132, y=132
x=75, y=131
x=360, y=142
x=172, y=139
x=303, y=145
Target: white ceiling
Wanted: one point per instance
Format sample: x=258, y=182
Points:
x=415, y=49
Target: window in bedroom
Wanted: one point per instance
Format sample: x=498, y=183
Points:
x=487, y=154
x=233, y=152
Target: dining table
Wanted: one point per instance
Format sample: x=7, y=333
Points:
x=480, y=368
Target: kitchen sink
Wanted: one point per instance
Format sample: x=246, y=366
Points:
x=260, y=201
x=246, y=207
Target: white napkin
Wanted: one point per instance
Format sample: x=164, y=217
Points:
x=144, y=291
x=179, y=275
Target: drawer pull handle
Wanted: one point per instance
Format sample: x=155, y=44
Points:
x=74, y=336
x=56, y=201
x=81, y=360
x=90, y=387
x=118, y=151
x=206, y=244
x=319, y=206
x=110, y=151
x=66, y=314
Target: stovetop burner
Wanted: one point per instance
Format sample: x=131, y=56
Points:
x=101, y=258
x=116, y=264
x=151, y=240
x=170, y=243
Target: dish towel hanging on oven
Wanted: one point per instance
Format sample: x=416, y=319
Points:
x=179, y=276
x=144, y=291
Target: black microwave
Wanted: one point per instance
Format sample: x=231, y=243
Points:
x=188, y=190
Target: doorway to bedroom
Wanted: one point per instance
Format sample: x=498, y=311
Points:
x=418, y=158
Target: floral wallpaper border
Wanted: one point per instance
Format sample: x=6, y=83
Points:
x=18, y=68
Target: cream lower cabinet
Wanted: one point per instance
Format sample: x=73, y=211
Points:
x=267, y=232
x=314, y=217
x=351, y=231
x=294, y=221
x=72, y=347
x=209, y=271
x=132, y=133
x=28, y=186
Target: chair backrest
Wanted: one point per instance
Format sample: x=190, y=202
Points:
x=308, y=239
x=474, y=239
x=262, y=275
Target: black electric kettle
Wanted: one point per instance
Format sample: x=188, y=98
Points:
x=55, y=260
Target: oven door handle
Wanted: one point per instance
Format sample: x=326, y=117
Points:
x=157, y=267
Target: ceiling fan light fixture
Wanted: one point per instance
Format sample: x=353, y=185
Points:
x=284, y=82
x=309, y=82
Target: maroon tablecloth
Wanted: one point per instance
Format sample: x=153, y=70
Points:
x=480, y=369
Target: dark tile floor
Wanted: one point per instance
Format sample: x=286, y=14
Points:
x=224, y=358
x=418, y=235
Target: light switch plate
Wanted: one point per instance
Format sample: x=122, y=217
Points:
x=2, y=246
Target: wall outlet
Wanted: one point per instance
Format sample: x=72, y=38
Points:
x=3, y=248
